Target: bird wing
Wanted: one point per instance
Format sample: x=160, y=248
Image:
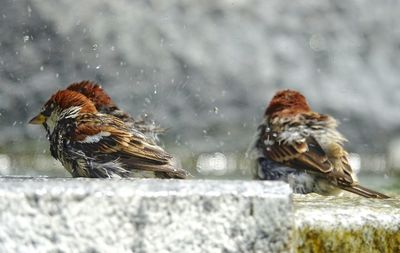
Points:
x=307, y=154
x=301, y=152
x=107, y=138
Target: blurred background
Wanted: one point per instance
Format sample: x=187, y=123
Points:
x=206, y=70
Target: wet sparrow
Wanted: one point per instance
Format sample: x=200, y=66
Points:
x=93, y=144
x=303, y=148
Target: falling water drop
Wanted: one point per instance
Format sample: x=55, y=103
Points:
x=216, y=110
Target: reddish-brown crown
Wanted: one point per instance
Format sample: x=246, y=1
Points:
x=94, y=92
x=287, y=102
x=67, y=98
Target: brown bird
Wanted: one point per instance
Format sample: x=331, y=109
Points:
x=93, y=144
x=303, y=148
x=104, y=104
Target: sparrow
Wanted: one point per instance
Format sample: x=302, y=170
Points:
x=104, y=104
x=304, y=148
x=89, y=143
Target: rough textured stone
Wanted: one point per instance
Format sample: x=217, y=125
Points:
x=87, y=215
x=347, y=224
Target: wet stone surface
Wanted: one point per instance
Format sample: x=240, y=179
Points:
x=148, y=215
x=89, y=215
x=346, y=224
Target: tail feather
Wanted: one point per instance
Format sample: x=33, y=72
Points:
x=365, y=192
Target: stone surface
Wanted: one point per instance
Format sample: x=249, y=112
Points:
x=347, y=224
x=88, y=215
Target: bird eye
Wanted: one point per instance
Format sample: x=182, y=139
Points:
x=46, y=110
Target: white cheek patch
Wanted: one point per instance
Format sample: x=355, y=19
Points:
x=95, y=138
x=52, y=121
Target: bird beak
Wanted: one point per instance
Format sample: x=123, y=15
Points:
x=38, y=120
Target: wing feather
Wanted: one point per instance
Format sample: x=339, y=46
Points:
x=122, y=144
x=303, y=152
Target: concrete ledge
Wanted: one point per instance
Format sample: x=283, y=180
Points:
x=89, y=215
x=346, y=224
x=148, y=215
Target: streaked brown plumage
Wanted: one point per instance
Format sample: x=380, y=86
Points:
x=304, y=148
x=93, y=144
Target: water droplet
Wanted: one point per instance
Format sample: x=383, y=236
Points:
x=267, y=129
x=26, y=38
x=98, y=67
x=57, y=75
x=94, y=47
x=268, y=149
x=275, y=135
x=41, y=68
x=216, y=110
x=268, y=142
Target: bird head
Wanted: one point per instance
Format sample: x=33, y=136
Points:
x=63, y=104
x=287, y=102
x=96, y=94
